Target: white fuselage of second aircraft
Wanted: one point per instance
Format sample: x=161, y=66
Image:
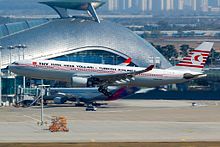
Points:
x=65, y=71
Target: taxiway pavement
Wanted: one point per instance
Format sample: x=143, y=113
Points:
x=120, y=121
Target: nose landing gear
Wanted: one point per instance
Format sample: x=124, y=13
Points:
x=90, y=107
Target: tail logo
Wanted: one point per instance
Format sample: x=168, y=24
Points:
x=197, y=59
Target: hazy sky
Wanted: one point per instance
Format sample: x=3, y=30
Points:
x=18, y=3
x=32, y=7
x=23, y=7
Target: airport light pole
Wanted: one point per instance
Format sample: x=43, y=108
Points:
x=1, y=48
x=22, y=46
x=19, y=48
x=43, y=90
x=42, y=106
x=10, y=49
x=24, y=79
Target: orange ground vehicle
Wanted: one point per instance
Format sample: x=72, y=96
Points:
x=58, y=124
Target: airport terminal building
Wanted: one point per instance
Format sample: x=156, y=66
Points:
x=75, y=38
x=81, y=40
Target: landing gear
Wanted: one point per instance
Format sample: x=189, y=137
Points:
x=45, y=103
x=99, y=104
x=79, y=105
x=90, y=107
x=104, y=90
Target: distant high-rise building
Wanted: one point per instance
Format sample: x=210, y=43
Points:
x=150, y=5
x=129, y=3
x=205, y=5
x=122, y=4
x=176, y=5
x=144, y=5
x=112, y=5
x=158, y=5
x=135, y=4
x=125, y=4
x=162, y=5
x=181, y=4
x=193, y=4
x=116, y=4
x=169, y=5
x=213, y=3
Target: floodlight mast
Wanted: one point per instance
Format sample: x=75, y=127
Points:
x=1, y=75
x=42, y=87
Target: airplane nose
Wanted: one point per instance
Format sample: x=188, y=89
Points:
x=7, y=68
x=11, y=67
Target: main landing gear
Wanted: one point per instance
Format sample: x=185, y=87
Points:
x=105, y=91
x=90, y=107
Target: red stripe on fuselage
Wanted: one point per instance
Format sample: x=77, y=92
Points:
x=98, y=71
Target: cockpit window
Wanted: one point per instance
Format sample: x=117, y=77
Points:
x=15, y=63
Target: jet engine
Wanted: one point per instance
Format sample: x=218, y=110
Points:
x=79, y=81
x=191, y=76
x=59, y=100
x=188, y=76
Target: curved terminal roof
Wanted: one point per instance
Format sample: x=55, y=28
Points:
x=12, y=28
x=64, y=36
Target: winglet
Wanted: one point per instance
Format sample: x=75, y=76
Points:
x=149, y=68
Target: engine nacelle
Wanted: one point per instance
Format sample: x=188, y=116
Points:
x=188, y=76
x=79, y=82
x=59, y=100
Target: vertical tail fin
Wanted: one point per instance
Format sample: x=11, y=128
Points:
x=126, y=63
x=196, y=59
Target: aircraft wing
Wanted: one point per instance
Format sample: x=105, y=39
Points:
x=118, y=77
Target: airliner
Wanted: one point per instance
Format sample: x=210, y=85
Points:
x=102, y=76
x=90, y=96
